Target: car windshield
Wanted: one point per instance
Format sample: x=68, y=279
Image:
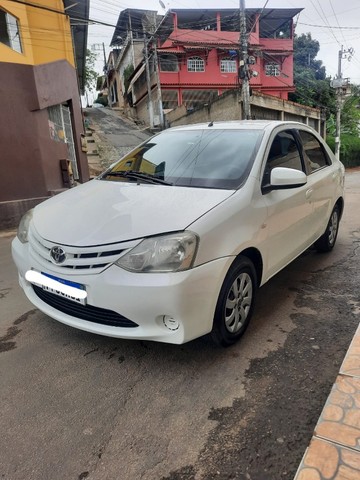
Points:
x=211, y=158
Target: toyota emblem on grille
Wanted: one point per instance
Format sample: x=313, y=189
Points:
x=58, y=254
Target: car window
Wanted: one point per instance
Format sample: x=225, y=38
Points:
x=314, y=154
x=212, y=158
x=283, y=152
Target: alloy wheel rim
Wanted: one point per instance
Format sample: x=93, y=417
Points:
x=333, y=227
x=238, y=302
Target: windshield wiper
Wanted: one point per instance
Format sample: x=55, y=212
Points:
x=146, y=177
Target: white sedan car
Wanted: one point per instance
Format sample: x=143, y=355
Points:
x=173, y=241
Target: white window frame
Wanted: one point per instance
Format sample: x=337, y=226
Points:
x=272, y=69
x=227, y=65
x=195, y=64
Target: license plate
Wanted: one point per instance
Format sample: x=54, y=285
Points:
x=58, y=286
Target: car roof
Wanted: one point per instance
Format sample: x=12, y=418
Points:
x=240, y=125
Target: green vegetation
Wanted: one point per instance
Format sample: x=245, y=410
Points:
x=350, y=122
x=349, y=149
x=90, y=74
x=312, y=85
x=313, y=89
x=129, y=70
x=103, y=99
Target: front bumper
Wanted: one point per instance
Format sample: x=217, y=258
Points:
x=189, y=298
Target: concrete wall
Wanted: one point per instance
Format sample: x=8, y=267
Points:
x=263, y=107
x=29, y=157
x=142, y=109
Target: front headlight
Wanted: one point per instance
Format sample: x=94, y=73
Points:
x=174, y=252
x=23, y=228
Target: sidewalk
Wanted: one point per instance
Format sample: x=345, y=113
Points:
x=334, y=450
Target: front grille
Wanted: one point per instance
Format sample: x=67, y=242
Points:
x=85, y=312
x=90, y=259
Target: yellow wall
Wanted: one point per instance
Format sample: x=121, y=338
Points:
x=45, y=36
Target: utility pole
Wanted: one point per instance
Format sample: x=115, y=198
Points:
x=148, y=81
x=107, y=78
x=97, y=47
x=161, y=112
x=338, y=84
x=152, y=30
x=244, y=65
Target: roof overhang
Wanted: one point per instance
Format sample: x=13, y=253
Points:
x=133, y=17
x=276, y=17
x=78, y=11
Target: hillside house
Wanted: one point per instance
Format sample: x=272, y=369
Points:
x=198, y=57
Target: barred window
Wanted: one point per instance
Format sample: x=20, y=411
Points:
x=195, y=64
x=272, y=69
x=9, y=31
x=227, y=65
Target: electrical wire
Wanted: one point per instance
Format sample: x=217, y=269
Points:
x=337, y=21
x=113, y=26
x=324, y=18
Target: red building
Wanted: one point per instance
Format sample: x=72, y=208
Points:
x=199, y=53
x=198, y=57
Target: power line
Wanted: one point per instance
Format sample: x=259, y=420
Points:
x=63, y=13
x=326, y=20
x=330, y=26
x=337, y=21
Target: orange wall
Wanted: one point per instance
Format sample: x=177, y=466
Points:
x=45, y=36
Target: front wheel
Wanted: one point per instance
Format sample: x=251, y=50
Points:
x=235, y=303
x=327, y=241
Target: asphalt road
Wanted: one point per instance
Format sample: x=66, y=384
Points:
x=116, y=135
x=79, y=406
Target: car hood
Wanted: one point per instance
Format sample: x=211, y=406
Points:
x=101, y=212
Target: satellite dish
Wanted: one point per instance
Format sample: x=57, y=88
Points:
x=162, y=4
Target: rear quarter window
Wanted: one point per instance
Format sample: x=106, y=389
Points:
x=314, y=153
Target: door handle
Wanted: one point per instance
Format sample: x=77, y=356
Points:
x=308, y=193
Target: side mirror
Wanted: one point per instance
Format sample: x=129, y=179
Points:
x=283, y=178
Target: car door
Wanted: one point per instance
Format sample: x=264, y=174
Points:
x=322, y=179
x=289, y=209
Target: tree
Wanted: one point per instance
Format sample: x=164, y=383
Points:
x=90, y=74
x=350, y=113
x=312, y=85
x=305, y=52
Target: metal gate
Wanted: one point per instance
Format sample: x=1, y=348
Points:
x=69, y=138
x=61, y=131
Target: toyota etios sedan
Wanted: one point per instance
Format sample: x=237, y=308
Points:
x=173, y=241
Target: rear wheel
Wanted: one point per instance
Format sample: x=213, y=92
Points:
x=235, y=303
x=327, y=241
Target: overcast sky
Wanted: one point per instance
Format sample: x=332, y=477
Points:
x=332, y=22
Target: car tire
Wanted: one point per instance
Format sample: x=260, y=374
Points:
x=235, y=303
x=327, y=241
